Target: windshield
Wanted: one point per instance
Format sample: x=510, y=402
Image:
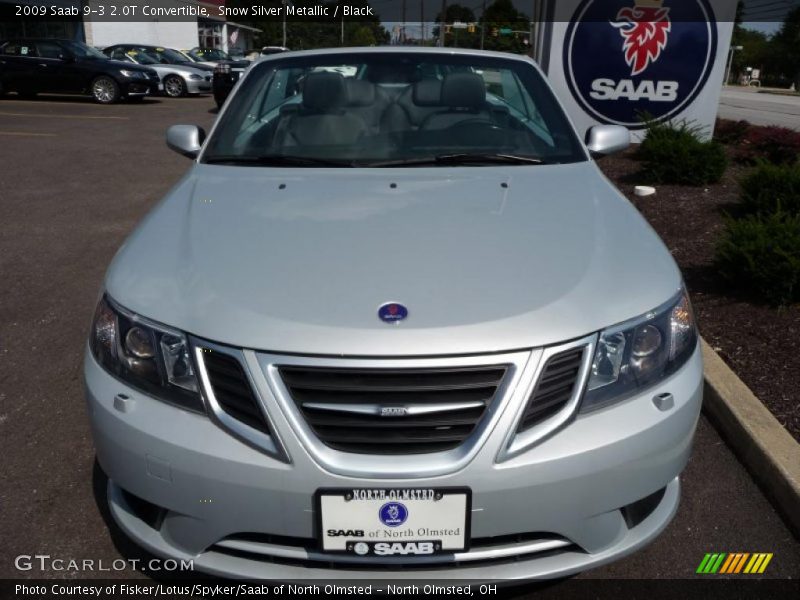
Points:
x=208, y=54
x=81, y=50
x=393, y=109
x=172, y=57
x=142, y=56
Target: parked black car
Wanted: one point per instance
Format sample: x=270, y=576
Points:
x=29, y=66
x=228, y=72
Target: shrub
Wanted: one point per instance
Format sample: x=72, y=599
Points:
x=730, y=132
x=760, y=254
x=769, y=188
x=674, y=154
x=777, y=145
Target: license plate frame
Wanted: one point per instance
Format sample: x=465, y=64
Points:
x=391, y=495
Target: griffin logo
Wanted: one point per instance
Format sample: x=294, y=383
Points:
x=627, y=58
x=645, y=29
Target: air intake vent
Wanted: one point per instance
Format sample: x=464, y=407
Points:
x=393, y=411
x=232, y=389
x=555, y=387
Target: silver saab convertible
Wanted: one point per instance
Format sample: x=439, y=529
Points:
x=393, y=322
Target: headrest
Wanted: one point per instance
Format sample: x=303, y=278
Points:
x=464, y=90
x=360, y=92
x=323, y=90
x=428, y=92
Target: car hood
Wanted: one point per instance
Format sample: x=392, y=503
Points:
x=166, y=68
x=484, y=258
x=128, y=65
x=196, y=66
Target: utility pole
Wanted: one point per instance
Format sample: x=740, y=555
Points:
x=483, y=24
x=422, y=19
x=283, y=3
x=443, y=23
x=403, y=29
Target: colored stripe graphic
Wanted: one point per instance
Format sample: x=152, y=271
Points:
x=734, y=563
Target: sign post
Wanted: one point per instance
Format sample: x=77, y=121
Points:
x=625, y=61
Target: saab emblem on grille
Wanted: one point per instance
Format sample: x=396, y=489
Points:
x=392, y=312
x=394, y=411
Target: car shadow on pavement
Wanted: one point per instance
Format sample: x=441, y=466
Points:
x=73, y=99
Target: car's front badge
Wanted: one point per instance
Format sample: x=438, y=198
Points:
x=392, y=312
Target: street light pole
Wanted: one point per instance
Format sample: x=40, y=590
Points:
x=283, y=2
x=483, y=25
x=442, y=24
x=730, y=63
x=422, y=19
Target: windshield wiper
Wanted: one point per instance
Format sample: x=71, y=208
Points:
x=276, y=160
x=461, y=159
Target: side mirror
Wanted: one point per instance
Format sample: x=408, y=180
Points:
x=185, y=139
x=602, y=140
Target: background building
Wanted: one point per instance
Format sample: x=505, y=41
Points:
x=184, y=33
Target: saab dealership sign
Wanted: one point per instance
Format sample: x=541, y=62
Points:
x=621, y=61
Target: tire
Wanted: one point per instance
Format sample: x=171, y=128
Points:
x=174, y=86
x=105, y=90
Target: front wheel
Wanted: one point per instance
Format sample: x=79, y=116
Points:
x=174, y=87
x=105, y=90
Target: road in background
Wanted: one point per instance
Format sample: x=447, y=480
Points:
x=759, y=107
x=75, y=179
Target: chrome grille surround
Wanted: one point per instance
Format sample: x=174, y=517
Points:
x=519, y=441
x=524, y=369
x=395, y=466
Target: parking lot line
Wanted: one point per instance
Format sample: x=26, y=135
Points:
x=27, y=133
x=12, y=114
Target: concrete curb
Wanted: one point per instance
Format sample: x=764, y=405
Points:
x=767, y=450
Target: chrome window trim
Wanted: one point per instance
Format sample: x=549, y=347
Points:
x=269, y=444
x=516, y=443
x=403, y=466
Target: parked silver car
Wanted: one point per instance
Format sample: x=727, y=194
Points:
x=178, y=76
x=394, y=325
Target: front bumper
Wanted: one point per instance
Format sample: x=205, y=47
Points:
x=139, y=87
x=561, y=507
x=194, y=86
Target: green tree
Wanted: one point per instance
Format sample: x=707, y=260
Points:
x=460, y=38
x=787, y=47
x=501, y=14
x=308, y=34
x=757, y=51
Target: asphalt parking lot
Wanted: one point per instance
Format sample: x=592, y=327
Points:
x=75, y=178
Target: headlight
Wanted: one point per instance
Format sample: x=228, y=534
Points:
x=149, y=356
x=132, y=74
x=639, y=353
x=195, y=76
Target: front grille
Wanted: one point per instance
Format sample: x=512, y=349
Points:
x=232, y=389
x=555, y=387
x=393, y=411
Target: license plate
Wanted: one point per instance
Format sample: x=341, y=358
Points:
x=394, y=522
